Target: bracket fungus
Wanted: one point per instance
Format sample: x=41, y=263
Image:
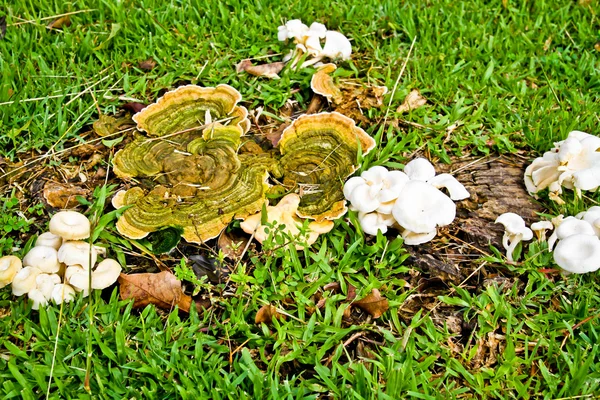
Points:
x=322, y=83
x=284, y=213
x=192, y=153
x=318, y=153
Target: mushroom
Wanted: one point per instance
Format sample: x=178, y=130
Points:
x=373, y=222
x=515, y=231
x=43, y=257
x=337, y=46
x=419, y=169
x=45, y=284
x=539, y=229
x=70, y=225
x=78, y=278
x=375, y=189
x=77, y=253
x=413, y=239
x=9, y=267
x=421, y=208
x=456, y=190
x=49, y=239
x=63, y=293
x=592, y=216
x=24, y=280
x=570, y=226
x=579, y=253
x=38, y=299
x=106, y=273
x=291, y=30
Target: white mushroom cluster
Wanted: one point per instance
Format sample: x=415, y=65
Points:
x=308, y=41
x=410, y=201
x=573, y=163
x=575, y=241
x=59, y=264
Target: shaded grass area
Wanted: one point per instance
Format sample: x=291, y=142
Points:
x=518, y=76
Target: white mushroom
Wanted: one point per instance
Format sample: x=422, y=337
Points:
x=515, y=231
x=419, y=169
x=337, y=46
x=24, y=280
x=79, y=278
x=38, y=299
x=77, y=253
x=456, y=189
x=9, y=266
x=375, y=189
x=106, y=273
x=578, y=253
x=539, y=229
x=63, y=293
x=421, y=208
x=373, y=222
x=43, y=257
x=292, y=29
x=70, y=225
x=570, y=226
x=49, y=239
x=413, y=239
x=592, y=216
x=45, y=284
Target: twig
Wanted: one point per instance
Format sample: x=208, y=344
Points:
x=398, y=80
x=33, y=21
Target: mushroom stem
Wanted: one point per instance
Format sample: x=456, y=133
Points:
x=513, y=245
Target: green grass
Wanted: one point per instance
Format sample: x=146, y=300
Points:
x=517, y=77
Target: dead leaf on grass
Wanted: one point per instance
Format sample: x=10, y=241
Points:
x=232, y=245
x=266, y=315
x=412, y=101
x=147, y=65
x=60, y=195
x=374, y=304
x=134, y=107
x=162, y=289
x=59, y=23
x=266, y=70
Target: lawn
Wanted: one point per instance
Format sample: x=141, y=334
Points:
x=514, y=77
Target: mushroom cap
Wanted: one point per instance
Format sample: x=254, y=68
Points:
x=45, y=284
x=317, y=29
x=24, y=280
x=419, y=169
x=38, y=298
x=43, y=257
x=9, y=266
x=373, y=222
x=336, y=46
x=421, y=208
x=513, y=223
x=293, y=29
x=78, y=278
x=63, y=292
x=578, y=253
x=542, y=226
x=77, y=253
x=572, y=226
x=70, y=225
x=106, y=273
x=321, y=81
x=49, y=239
x=413, y=239
x=456, y=189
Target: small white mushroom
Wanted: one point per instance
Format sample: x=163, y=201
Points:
x=45, y=284
x=413, y=239
x=570, y=226
x=539, y=229
x=77, y=253
x=63, y=293
x=578, y=253
x=38, y=299
x=337, y=46
x=419, y=169
x=79, y=278
x=456, y=189
x=49, y=239
x=106, y=273
x=24, y=280
x=373, y=222
x=9, y=266
x=43, y=257
x=375, y=189
x=70, y=225
x=515, y=231
x=421, y=208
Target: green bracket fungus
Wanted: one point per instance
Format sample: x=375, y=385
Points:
x=318, y=153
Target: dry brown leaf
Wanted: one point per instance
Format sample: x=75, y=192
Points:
x=373, y=304
x=162, y=289
x=266, y=315
x=134, y=106
x=147, y=65
x=59, y=23
x=232, y=245
x=412, y=101
x=267, y=70
x=60, y=195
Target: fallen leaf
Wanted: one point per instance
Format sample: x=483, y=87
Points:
x=274, y=135
x=266, y=315
x=210, y=267
x=147, y=65
x=60, y=195
x=134, y=107
x=412, y=101
x=232, y=245
x=59, y=23
x=162, y=289
x=267, y=70
x=547, y=43
x=2, y=26
x=373, y=304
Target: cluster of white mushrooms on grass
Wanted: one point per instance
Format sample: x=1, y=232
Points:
x=59, y=264
x=409, y=200
x=308, y=42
